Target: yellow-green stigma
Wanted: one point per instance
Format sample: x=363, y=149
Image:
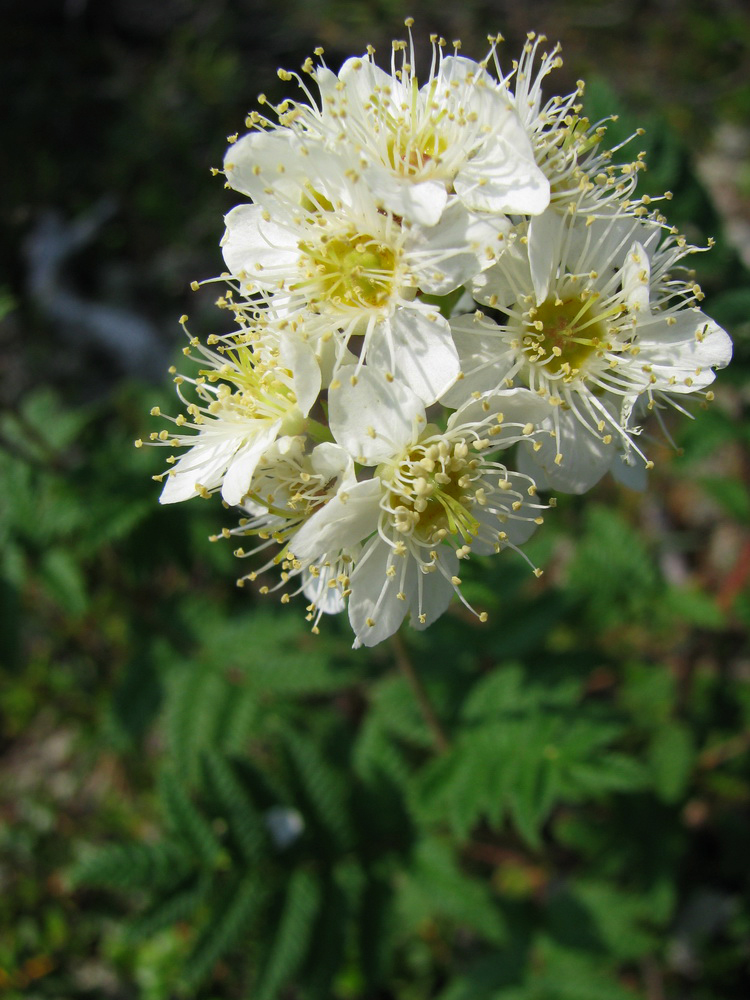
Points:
x=354, y=271
x=408, y=154
x=562, y=334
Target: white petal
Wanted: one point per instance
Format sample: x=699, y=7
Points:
x=437, y=590
x=682, y=356
x=298, y=356
x=631, y=474
x=517, y=407
x=416, y=346
x=347, y=518
x=373, y=595
x=585, y=458
x=364, y=82
x=203, y=464
x=333, y=462
x=636, y=277
x=252, y=245
x=327, y=599
x=242, y=466
x=544, y=237
x=451, y=253
x=484, y=359
x=504, y=176
x=421, y=202
x=255, y=160
x=517, y=529
x=373, y=419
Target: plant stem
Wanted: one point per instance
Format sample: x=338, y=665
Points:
x=404, y=664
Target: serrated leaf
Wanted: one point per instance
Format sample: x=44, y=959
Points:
x=436, y=887
x=65, y=581
x=180, y=905
x=230, y=917
x=327, y=946
x=187, y=823
x=320, y=786
x=197, y=698
x=131, y=866
x=244, y=822
x=293, y=934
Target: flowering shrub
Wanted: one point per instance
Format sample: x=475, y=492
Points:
x=425, y=277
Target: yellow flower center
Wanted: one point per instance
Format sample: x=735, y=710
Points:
x=355, y=271
x=561, y=334
x=431, y=492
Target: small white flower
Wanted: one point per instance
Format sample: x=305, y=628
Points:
x=435, y=497
x=330, y=264
x=289, y=486
x=240, y=408
x=568, y=148
x=458, y=134
x=594, y=322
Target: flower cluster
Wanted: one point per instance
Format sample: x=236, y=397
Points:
x=425, y=275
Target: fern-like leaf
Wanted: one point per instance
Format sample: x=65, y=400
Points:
x=231, y=915
x=320, y=785
x=245, y=824
x=289, y=949
x=133, y=866
x=328, y=945
x=187, y=823
x=181, y=904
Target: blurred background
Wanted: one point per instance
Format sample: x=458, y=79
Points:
x=126, y=651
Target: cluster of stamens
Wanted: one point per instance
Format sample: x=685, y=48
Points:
x=562, y=334
x=431, y=492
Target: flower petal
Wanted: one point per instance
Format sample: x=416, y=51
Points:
x=348, y=518
x=372, y=417
x=374, y=595
x=242, y=466
x=416, y=346
x=253, y=245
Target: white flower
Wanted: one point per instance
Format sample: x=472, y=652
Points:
x=568, y=149
x=414, y=146
x=289, y=486
x=240, y=408
x=595, y=321
x=330, y=264
x=434, y=498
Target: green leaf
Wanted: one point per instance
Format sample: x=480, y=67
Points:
x=672, y=757
x=435, y=887
x=230, y=917
x=180, y=905
x=245, y=824
x=131, y=866
x=319, y=785
x=328, y=944
x=187, y=823
x=732, y=494
x=695, y=607
x=292, y=938
x=65, y=581
x=197, y=696
x=613, y=573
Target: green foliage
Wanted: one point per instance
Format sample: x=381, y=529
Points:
x=293, y=936
x=523, y=749
x=161, y=865
x=202, y=800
